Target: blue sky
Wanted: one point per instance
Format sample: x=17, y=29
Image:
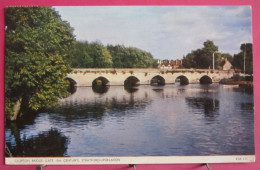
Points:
x=168, y=32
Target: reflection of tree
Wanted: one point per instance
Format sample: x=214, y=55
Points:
x=247, y=106
x=94, y=111
x=210, y=106
x=28, y=119
x=158, y=90
x=244, y=89
x=119, y=108
x=73, y=112
x=51, y=143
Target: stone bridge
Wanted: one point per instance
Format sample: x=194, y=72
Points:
x=116, y=76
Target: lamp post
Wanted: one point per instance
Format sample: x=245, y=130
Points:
x=245, y=60
x=214, y=59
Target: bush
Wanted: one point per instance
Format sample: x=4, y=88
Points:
x=238, y=78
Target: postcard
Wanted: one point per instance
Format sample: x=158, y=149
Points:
x=129, y=85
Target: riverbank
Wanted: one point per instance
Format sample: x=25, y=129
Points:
x=248, y=86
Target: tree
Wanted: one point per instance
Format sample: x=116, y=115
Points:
x=79, y=56
x=37, y=39
x=89, y=55
x=130, y=57
x=201, y=58
x=100, y=55
x=238, y=61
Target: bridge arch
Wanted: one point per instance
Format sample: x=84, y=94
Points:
x=100, y=81
x=71, y=81
x=157, y=81
x=205, y=80
x=131, y=81
x=183, y=80
x=72, y=84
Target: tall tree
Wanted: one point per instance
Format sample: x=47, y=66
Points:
x=37, y=39
x=201, y=58
x=247, y=54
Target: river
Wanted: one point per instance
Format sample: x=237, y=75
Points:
x=170, y=120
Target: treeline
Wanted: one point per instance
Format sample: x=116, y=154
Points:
x=96, y=55
x=203, y=58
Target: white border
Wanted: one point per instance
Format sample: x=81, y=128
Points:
x=127, y=160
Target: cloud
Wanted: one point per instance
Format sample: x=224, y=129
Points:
x=168, y=32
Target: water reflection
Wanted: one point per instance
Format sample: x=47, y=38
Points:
x=144, y=121
x=209, y=106
x=87, y=112
x=130, y=89
x=100, y=89
x=244, y=89
x=50, y=143
x=247, y=106
x=158, y=90
x=71, y=112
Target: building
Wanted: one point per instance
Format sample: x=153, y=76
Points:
x=227, y=65
x=169, y=64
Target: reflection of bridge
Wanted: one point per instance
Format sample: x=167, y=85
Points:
x=110, y=76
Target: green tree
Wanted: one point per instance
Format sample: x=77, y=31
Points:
x=238, y=61
x=119, y=54
x=89, y=55
x=201, y=58
x=100, y=55
x=130, y=57
x=37, y=39
x=79, y=57
x=188, y=61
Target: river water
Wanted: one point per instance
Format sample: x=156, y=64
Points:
x=147, y=120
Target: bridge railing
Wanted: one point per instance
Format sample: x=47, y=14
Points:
x=112, y=70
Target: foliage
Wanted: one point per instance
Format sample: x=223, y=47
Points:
x=101, y=56
x=79, y=55
x=238, y=61
x=130, y=57
x=238, y=78
x=89, y=55
x=201, y=58
x=96, y=55
x=36, y=42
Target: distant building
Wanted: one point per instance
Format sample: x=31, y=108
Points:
x=227, y=65
x=169, y=64
x=176, y=63
x=165, y=66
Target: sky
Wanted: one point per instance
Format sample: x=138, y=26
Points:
x=167, y=32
